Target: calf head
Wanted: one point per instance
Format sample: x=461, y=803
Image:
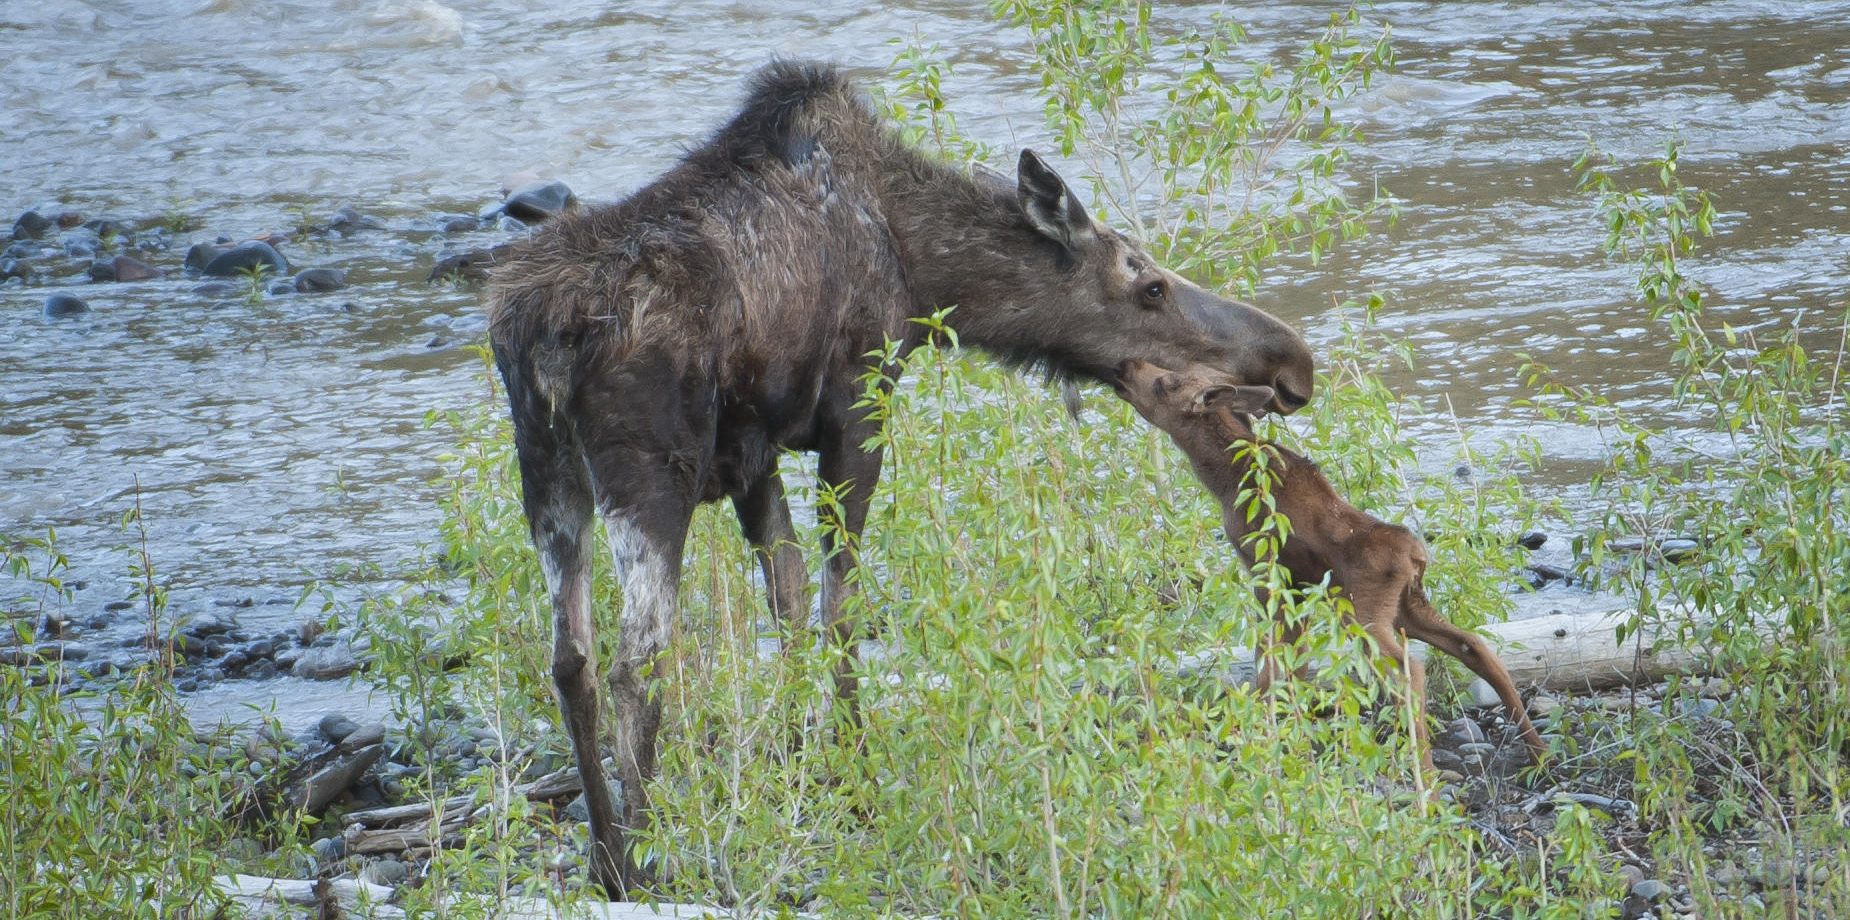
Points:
x=1106, y=302
x=1173, y=400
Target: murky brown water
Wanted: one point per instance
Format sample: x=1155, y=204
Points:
x=274, y=442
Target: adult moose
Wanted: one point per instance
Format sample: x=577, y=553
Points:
x=659, y=352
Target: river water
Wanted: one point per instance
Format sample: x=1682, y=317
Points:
x=270, y=444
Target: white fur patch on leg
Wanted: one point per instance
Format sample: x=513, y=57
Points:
x=649, y=593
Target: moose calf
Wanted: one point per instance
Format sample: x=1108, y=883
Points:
x=1377, y=565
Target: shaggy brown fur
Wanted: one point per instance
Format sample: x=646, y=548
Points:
x=660, y=352
x=1378, y=566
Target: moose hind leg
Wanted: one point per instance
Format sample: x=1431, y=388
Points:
x=1425, y=624
x=764, y=516
x=559, y=510
x=648, y=562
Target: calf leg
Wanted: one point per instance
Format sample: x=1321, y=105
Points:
x=1422, y=622
x=1388, y=643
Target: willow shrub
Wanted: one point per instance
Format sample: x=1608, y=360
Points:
x=1764, y=491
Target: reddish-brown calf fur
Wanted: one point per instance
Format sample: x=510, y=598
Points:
x=1378, y=566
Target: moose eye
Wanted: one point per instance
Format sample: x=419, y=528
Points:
x=1153, y=293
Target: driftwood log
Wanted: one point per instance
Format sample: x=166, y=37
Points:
x=408, y=828
x=1567, y=652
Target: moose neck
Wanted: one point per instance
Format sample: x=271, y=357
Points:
x=961, y=240
x=1216, y=446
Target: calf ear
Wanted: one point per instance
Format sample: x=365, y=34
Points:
x=1051, y=207
x=1249, y=400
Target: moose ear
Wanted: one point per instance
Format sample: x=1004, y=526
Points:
x=1050, y=206
x=1245, y=399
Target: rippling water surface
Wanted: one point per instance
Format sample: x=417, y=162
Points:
x=270, y=443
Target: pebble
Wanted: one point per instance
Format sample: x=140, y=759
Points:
x=244, y=256
x=58, y=305
x=320, y=280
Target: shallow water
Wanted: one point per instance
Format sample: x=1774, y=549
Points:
x=271, y=443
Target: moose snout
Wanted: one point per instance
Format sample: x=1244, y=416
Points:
x=1287, y=400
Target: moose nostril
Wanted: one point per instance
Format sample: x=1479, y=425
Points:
x=1286, y=398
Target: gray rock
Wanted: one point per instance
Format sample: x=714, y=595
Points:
x=1700, y=708
x=247, y=255
x=262, y=669
x=1550, y=573
x=1632, y=875
x=202, y=254
x=1679, y=550
x=1544, y=707
x=1466, y=730
x=1482, y=749
x=282, y=288
x=334, y=661
x=336, y=727
x=1532, y=540
x=389, y=872
x=81, y=243
x=58, y=305
x=320, y=280
x=315, y=792
x=363, y=736
x=32, y=225
x=457, y=223
x=538, y=202
x=122, y=268
x=208, y=623
x=329, y=849
x=218, y=289
x=348, y=219
x=1651, y=890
